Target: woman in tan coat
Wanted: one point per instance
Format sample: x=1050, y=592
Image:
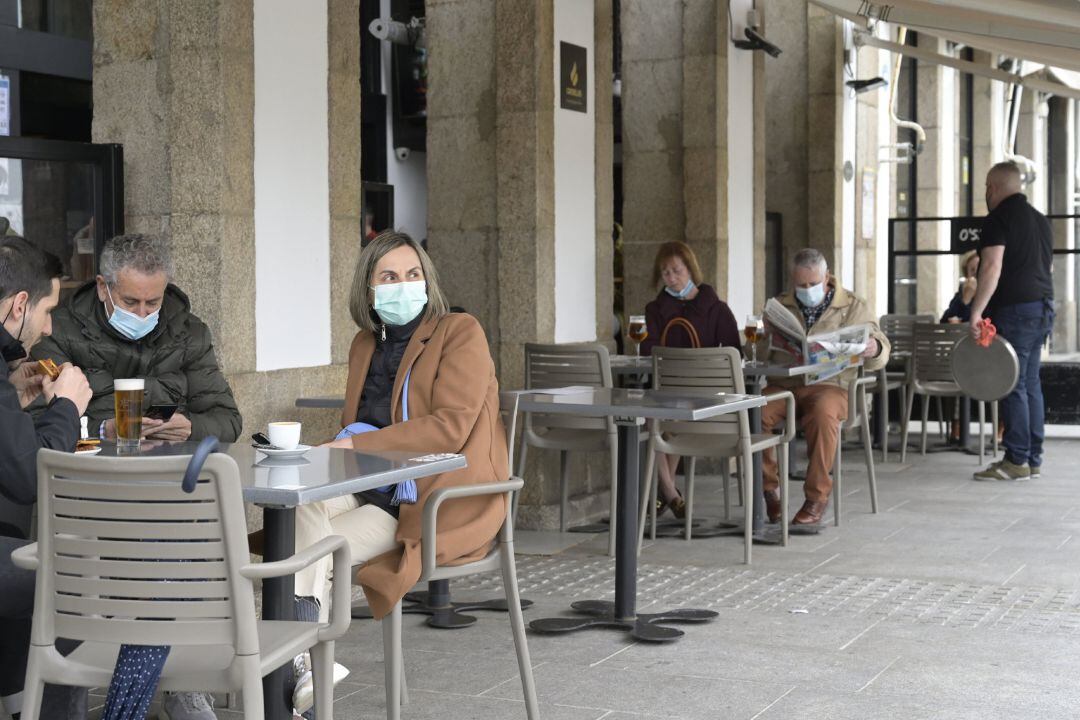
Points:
x=407, y=331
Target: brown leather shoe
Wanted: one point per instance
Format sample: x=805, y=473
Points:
x=809, y=514
x=772, y=505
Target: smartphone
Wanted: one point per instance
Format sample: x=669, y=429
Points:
x=160, y=412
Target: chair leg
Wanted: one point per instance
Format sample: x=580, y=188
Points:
x=613, y=511
x=909, y=402
x=564, y=487
x=725, y=473
x=404, y=685
x=322, y=671
x=925, y=422
x=688, y=520
x=739, y=474
x=253, y=692
x=646, y=494
x=391, y=630
x=869, y=450
x=522, y=454
x=838, y=478
x=941, y=418
x=517, y=625
x=782, y=466
x=33, y=688
x=746, y=477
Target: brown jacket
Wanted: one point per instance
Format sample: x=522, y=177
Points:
x=846, y=309
x=453, y=408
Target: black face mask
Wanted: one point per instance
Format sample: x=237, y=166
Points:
x=12, y=348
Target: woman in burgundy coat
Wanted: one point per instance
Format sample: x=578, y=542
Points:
x=683, y=302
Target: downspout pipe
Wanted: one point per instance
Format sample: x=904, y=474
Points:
x=920, y=134
x=1013, y=119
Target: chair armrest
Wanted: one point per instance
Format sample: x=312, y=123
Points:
x=438, y=497
x=854, y=388
x=26, y=557
x=295, y=563
x=789, y=421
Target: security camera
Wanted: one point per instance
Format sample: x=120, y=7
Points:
x=864, y=86
x=756, y=41
x=401, y=153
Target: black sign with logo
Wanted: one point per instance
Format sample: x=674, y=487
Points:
x=966, y=232
x=573, y=78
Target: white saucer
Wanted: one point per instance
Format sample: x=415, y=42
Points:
x=296, y=452
x=91, y=451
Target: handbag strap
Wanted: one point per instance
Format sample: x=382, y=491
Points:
x=695, y=339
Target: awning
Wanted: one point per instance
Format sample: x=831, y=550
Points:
x=1042, y=31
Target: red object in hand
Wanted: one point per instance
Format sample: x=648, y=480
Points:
x=987, y=332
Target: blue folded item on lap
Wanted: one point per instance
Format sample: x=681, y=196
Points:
x=404, y=492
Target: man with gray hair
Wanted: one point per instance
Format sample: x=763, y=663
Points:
x=132, y=322
x=821, y=305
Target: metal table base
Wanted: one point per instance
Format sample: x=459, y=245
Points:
x=277, y=597
x=445, y=613
x=622, y=614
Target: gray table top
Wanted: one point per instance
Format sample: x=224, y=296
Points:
x=658, y=404
x=321, y=474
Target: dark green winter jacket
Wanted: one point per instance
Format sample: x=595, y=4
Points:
x=176, y=359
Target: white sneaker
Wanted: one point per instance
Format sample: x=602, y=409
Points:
x=304, y=693
x=187, y=706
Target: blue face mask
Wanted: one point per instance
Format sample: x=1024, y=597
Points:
x=129, y=324
x=681, y=294
x=811, y=296
x=400, y=303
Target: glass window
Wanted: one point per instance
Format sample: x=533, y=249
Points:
x=71, y=18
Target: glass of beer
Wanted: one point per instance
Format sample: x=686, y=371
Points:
x=128, y=396
x=754, y=330
x=637, y=331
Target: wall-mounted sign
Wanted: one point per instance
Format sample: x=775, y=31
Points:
x=5, y=105
x=573, y=77
x=966, y=232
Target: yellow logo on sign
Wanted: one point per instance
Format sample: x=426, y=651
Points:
x=573, y=75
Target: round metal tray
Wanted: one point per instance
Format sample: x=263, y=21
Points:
x=985, y=373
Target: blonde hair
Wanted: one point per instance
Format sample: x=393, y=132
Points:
x=965, y=259
x=360, y=298
x=671, y=250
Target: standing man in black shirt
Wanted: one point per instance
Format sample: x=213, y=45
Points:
x=1016, y=291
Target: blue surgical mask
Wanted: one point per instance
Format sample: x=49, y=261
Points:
x=400, y=303
x=129, y=324
x=811, y=296
x=681, y=294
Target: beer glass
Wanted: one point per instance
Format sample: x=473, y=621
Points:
x=128, y=396
x=637, y=331
x=753, y=330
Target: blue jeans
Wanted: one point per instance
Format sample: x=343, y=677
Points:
x=1026, y=326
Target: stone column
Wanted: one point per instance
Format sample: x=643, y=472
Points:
x=824, y=188
x=1062, y=175
x=603, y=44
x=986, y=130
x=868, y=178
x=174, y=83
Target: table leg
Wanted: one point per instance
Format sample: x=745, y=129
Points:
x=622, y=614
x=280, y=543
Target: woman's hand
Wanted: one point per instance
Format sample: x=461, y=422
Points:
x=343, y=443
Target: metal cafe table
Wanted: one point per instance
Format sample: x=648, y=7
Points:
x=629, y=408
x=279, y=486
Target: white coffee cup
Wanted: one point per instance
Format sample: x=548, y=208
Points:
x=285, y=435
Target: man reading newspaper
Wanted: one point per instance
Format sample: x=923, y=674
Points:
x=817, y=323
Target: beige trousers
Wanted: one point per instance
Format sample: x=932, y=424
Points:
x=369, y=530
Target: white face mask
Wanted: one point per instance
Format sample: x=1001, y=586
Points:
x=811, y=296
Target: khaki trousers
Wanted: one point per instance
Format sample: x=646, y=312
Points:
x=819, y=409
x=369, y=531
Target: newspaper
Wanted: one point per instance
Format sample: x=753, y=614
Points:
x=834, y=351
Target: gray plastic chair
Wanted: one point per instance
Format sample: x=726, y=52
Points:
x=931, y=373
x=858, y=417
x=500, y=558
x=125, y=556
x=900, y=331
x=710, y=371
x=552, y=366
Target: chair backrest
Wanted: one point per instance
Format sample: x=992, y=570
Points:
x=125, y=556
x=705, y=371
x=552, y=366
x=899, y=329
x=508, y=410
x=933, y=349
